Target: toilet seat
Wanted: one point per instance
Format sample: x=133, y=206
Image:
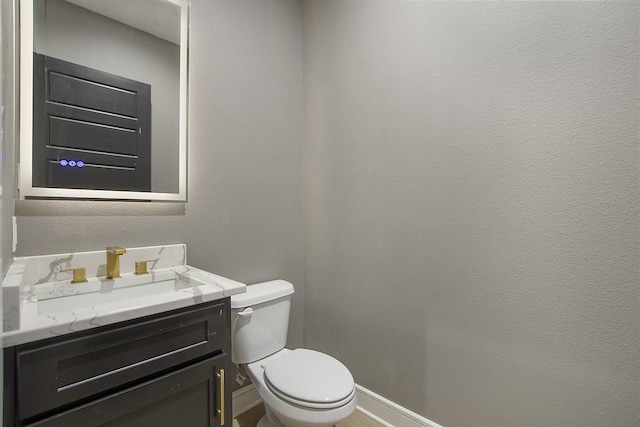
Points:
x=306, y=403
x=310, y=379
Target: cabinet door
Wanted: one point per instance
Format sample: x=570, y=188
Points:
x=188, y=397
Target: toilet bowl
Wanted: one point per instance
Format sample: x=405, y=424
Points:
x=302, y=403
x=298, y=387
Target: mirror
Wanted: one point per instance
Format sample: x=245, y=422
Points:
x=103, y=99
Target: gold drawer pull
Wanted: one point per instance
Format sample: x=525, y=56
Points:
x=221, y=389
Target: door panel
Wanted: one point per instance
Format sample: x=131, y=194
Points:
x=91, y=177
x=79, y=110
x=79, y=92
x=102, y=138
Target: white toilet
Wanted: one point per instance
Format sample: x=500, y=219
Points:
x=298, y=387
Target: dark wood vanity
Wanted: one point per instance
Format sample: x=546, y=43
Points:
x=162, y=370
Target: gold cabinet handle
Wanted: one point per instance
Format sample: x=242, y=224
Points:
x=79, y=274
x=221, y=389
x=141, y=266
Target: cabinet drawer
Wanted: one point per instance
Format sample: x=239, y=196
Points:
x=72, y=369
x=188, y=397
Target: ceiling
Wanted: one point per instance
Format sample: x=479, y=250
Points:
x=158, y=17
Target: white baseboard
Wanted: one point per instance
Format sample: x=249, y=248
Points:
x=244, y=399
x=374, y=406
x=387, y=413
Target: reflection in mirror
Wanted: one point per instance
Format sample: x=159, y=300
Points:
x=108, y=96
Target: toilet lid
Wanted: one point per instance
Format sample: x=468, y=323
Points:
x=310, y=376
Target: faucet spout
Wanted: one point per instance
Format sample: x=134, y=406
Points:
x=113, y=261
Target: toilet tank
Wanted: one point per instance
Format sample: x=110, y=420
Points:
x=260, y=320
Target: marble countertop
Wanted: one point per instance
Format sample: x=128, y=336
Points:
x=29, y=287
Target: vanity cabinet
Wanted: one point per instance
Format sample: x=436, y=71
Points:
x=163, y=370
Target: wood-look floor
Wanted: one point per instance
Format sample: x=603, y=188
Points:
x=252, y=416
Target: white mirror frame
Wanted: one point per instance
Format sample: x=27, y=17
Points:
x=25, y=184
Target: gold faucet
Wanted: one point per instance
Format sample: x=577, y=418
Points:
x=113, y=261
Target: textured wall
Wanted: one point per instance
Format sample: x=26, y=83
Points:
x=244, y=216
x=471, y=178
x=471, y=187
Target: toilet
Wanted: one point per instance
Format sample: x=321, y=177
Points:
x=298, y=387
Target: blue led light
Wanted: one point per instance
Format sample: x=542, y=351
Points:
x=71, y=163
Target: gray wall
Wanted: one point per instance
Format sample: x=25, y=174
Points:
x=244, y=216
x=2, y=202
x=471, y=187
x=8, y=134
x=71, y=33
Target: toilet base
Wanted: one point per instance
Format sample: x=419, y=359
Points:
x=269, y=419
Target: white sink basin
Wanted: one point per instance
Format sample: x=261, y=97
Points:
x=127, y=291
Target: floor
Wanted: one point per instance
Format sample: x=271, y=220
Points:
x=251, y=417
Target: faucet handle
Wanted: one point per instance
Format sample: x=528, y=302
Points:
x=79, y=274
x=141, y=266
x=116, y=250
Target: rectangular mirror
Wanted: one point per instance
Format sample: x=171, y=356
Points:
x=103, y=99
